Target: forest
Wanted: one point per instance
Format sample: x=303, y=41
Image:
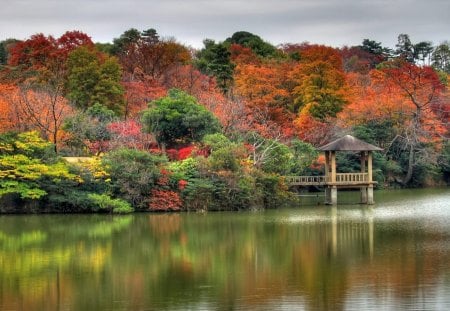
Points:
x=146, y=123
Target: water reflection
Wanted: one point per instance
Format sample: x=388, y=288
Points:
x=320, y=258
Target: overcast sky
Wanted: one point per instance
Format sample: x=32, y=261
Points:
x=331, y=22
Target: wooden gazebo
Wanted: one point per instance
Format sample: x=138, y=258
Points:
x=332, y=180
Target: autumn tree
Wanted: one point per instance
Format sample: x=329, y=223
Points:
x=139, y=92
x=421, y=87
x=260, y=86
x=38, y=67
x=7, y=116
x=147, y=52
x=320, y=82
x=25, y=167
x=364, y=57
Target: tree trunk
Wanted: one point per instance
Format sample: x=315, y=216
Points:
x=409, y=173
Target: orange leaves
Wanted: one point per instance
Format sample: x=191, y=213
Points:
x=23, y=109
x=139, y=93
x=407, y=95
x=312, y=130
x=260, y=86
x=321, y=53
x=320, y=81
x=243, y=55
x=373, y=99
x=421, y=85
x=7, y=121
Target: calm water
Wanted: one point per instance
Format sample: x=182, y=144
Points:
x=394, y=255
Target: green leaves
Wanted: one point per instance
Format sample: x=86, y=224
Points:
x=94, y=78
x=178, y=118
x=105, y=202
x=133, y=174
x=214, y=60
x=25, y=190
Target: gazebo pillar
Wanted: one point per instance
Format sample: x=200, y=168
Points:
x=327, y=177
x=333, y=195
x=363, y=189
x=369, y=175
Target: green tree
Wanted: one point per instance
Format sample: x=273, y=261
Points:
x=129, y=37
x=254, y=42
x=441, y=57
x=178, y=118
x=88, y=130
x=214, y=60
x=373, y=47
x=4, y=50
x=94, y=78
x=304, y=154
x=444, y=161
x=422, y=51
x=405, y=48
x=225, y=154
x=269, y=155
x=133, y=174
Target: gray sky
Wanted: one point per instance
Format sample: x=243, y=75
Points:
x=330, y=22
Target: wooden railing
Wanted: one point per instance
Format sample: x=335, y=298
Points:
x=341, y=179
x=348, y=178
x=305, y=180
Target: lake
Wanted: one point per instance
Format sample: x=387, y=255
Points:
x=390, y=256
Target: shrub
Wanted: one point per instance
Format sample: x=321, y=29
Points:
x=133, y=174
x=105, y=202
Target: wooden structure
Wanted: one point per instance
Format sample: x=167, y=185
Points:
x=332, y=180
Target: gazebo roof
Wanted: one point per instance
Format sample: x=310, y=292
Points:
x=349, y=143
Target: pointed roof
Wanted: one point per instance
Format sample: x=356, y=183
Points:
x=349, y=143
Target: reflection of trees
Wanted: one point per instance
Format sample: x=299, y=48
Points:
x=215, y=260
x=38, y=256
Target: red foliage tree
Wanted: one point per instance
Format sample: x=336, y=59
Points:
x=165, y=200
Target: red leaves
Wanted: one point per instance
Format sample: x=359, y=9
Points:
x=39, y=50
x=185, y=152
x=164, y=200
x=182, y=184
x=421, y=85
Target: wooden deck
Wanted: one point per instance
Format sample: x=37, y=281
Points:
x=342, y=179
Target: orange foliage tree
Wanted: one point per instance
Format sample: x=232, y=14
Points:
x=38, y=67
x=320, y=81
x=260, y=86
x=409, y=97
x=28, y=109
x=8, y=119
x=421, y=87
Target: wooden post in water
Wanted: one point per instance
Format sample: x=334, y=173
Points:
x=369, y=173
x=327, y=177
x=333, y=178
x=363, y=189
